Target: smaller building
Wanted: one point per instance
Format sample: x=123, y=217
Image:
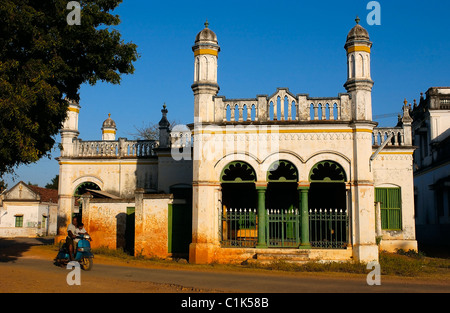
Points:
x=431, y=135
x=28, y=211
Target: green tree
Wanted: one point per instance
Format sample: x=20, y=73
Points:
x=54, y=183
x=44, y=61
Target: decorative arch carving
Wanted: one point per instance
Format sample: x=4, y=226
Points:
x=282, y=171
x=238, y=172
x=327, y=171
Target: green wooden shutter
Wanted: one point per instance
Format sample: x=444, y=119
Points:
x=391, y=211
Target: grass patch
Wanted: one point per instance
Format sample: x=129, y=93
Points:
x=406, y=264
x=115, y=253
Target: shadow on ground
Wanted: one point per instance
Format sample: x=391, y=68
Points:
x=14, y=248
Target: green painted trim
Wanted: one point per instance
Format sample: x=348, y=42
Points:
x=304, y=217
x=262, y=242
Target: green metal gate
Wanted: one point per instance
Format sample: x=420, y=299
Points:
x=283, y=228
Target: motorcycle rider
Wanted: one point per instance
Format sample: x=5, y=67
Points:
x=71, y=235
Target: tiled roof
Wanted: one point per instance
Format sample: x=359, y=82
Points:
x=47, y=195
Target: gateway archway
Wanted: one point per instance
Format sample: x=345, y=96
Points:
x=327, y=199
x=239, y=202
x=282, y=205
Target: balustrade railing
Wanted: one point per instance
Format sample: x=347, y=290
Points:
x=381, y=134
x=283, y=106
x=115, y=149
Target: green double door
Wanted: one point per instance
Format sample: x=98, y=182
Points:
x=180, y=222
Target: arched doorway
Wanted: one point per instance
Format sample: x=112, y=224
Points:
x=239, y=202
x=327, y=200
x=79, y=191
x=282, y=199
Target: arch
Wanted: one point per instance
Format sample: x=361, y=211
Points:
x=92, y=179
x=83, y=187
x=282, y=171
x=328, y=111
x=387, y=185
x=312, y=115
x=320, y=111
x=228, y=113
x=352, y=66
x=293, y=110
x=238, y=172
x=245, y=115
x=235, y=113
x=335, y=111
x=286, y=109
x=205, y=74
x=197, y=69
x=253, y=113
x=327, y=171
x=361, y=60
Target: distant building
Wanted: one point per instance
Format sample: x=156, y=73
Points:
x=431, y=135
x=28, y=211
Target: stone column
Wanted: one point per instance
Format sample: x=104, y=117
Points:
x=303, y=199
x=261, y=190
x=139, y=236
x=86, y=204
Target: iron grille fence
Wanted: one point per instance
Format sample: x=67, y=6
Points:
x=283, y=228
x=328, y=228
x=239, y=228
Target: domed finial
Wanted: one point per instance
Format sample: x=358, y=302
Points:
x=206, y=23
x=109, y=114
x=405, y=102
x=357, y=19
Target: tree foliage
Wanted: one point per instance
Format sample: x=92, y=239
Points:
x=53, y=184
x=44, y=61
x=150, y=131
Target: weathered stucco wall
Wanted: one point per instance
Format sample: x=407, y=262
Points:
x=151, y=228
x=105, y=221
x=393, y=168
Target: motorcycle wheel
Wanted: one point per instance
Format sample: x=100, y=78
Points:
x=86, y=264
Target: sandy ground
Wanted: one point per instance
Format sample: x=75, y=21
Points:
x=15, y=277
x=19, y=273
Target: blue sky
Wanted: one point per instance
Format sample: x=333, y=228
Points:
x=264, y=45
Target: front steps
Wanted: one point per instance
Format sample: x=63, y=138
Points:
x=291, y=256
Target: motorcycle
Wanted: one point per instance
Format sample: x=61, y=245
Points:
x=83, y=254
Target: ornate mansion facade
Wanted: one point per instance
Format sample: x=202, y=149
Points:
x=275, y=176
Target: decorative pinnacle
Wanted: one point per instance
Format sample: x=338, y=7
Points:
x=109, y=114
x=405, y=102
x=206, y=23
x=357, y=19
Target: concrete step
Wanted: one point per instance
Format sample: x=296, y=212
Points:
x=299, y=255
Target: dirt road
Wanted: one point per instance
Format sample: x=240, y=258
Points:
x=26, y=267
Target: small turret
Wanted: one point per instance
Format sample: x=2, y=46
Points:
x=164, y=129
x=109, y=129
